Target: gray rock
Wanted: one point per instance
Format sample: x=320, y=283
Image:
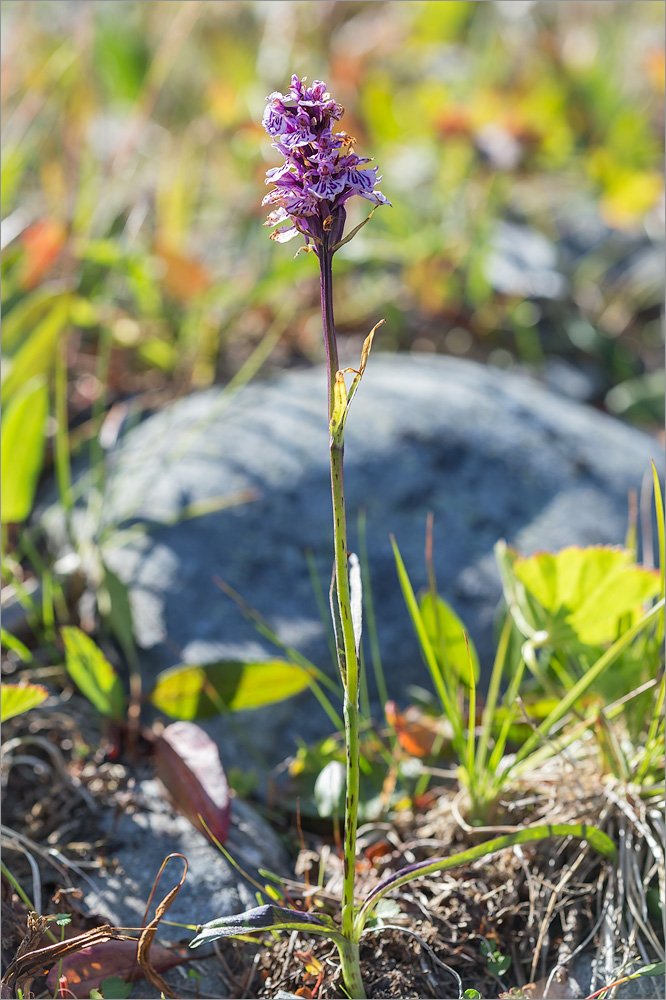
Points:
x=141, y=838
x=492, y=454
x=645, y=988
x=139, y=841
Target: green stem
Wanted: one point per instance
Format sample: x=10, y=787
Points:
x=349, y=669
x=326, y=279
x=351, y=969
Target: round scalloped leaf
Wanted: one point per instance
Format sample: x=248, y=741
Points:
x=583, y=593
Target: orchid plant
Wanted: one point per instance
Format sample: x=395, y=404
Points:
x=320, y=173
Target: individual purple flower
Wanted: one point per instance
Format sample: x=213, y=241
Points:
x=320, y=172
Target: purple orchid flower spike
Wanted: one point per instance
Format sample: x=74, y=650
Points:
x=320, y=172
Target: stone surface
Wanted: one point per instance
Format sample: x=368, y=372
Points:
x=645, y=988
x=139, y=839
x=492, y=454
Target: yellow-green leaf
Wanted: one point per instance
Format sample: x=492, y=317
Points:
x=35, y=355
x=447, y=636
x=582, y=593
x=92, y=673
x=19, y=698
x=199, y=692
x=23, y=437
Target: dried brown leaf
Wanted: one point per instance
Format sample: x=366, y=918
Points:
x=146, y=939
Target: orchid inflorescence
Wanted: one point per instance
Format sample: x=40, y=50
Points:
x=321, y=171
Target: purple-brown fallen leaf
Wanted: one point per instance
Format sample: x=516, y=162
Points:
x=188, y=765
x=86, y=969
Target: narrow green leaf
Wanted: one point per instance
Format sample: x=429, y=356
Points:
x=10, y=641
x=25, y=315
x=450, y=708
x=656, y=969
x=265, y=918
x=115, y=608
x=597, y=840
x=36, y=354
x=92, y=673
x=199, y=692
x=23, y=439
x=661, y=533
x=19, y=698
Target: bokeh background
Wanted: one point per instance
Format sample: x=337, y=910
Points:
x=521, y=144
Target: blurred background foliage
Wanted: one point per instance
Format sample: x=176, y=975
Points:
x=521, y=144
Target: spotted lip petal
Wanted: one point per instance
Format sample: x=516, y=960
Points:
x=320, y=172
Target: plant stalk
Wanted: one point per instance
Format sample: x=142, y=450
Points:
x=349, y=670
x=330, y=341
x=351, y=969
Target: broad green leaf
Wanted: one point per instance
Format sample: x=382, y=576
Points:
x=199, y=692
x=19, y=698
x=115, y=988
x=36, y=354
x=447, y=636
x=92, y=673
x=583, y=592
x=23, y=438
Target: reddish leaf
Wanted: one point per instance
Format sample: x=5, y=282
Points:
x=378, y=851
x=417, y=733
x=43, y=242
x=86, y=969
x=184, y=277
x=188, y=765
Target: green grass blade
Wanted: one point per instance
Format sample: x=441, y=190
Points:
x=317, y=679
x=452, y=711
x=62, y=450
x=579, y=689
x=661, y=536
x=573, y=732
x=471, y=722
x=493, y=693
